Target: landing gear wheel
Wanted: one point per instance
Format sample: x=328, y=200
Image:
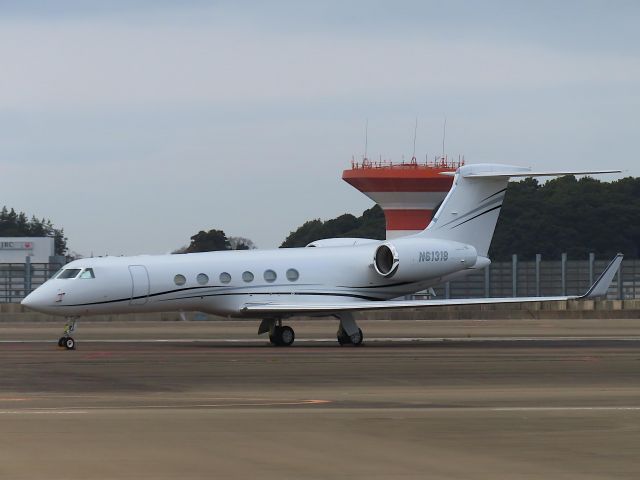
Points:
x=357, y=338
x=282, y=336
x=69, y=343
x=287, y=336
x=274, y=336
x=345, y=339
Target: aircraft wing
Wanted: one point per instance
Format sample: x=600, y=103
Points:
x=598, y=289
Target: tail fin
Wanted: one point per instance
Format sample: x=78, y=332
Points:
x=469, y=212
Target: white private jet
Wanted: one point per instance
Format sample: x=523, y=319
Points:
x=338, y=277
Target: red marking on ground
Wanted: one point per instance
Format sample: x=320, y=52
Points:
x=590, y=359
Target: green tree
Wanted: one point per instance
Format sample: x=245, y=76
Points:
x=210, y=241
x=215, y=240
x=13, y=224
x=370, y=224
x=569, y=215
x=561, y=215
x=241, y=243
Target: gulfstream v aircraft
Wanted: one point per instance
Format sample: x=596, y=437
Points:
x=332, y=277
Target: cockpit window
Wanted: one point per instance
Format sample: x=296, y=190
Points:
x=87, y=273
x=69, y=273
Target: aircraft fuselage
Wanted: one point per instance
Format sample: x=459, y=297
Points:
x=222, y=282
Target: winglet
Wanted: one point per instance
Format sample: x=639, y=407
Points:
x=601, y=285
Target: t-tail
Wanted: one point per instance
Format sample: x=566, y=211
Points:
x=470, y=210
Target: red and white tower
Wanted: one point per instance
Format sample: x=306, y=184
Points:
x=407, y=192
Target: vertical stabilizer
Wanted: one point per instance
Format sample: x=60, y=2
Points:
x=470, y=210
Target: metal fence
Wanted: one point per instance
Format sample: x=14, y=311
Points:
x=17, y=280
x=548, y=277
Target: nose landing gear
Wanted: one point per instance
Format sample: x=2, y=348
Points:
x=66, y=340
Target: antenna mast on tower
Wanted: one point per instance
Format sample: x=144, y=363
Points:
x=366, y=137
x=415, y=133
x=444, y=133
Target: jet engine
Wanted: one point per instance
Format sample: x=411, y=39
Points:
x=414, y=259
x=385, y=260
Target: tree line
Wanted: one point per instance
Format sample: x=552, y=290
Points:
x=14, y=224
x=558, y=216
x=215, y=240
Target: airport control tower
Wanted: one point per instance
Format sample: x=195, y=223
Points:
x=408, y=192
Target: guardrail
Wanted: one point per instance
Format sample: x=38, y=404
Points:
x=544, y=277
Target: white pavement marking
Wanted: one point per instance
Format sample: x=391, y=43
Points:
x=87, y=409
x=560, y=409
x=42, y=412
x=71, y=410
x=333, y=340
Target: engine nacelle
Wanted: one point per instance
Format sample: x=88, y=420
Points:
x=341, y=242
x=414, y=259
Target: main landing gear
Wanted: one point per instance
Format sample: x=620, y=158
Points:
x=282, y=336
x=348, y=332
x=279, y=335
x=66, y=340
x=345, y=339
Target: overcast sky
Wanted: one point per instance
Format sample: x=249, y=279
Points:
x=135, y=124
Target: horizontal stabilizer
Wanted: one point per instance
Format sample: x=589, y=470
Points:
x=529, y=173
x=538, y=174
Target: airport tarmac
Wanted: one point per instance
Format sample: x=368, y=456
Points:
x=195, y=400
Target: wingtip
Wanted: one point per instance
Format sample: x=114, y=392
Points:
x=601, y=285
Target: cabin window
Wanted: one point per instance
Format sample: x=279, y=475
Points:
x=292, y=275
x=270, y=276
x=179, y=279
x=202, y=279
x=247, y=277
x=69, y=273
x=87, y=273
x=225, y=277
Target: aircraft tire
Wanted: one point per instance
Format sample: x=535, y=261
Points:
x=274, y=336
x=287, y=336
x=61, y=341
x=357, y=338
x=69, y=343
x=343, y=338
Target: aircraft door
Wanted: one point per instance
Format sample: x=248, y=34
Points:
x=139, y=284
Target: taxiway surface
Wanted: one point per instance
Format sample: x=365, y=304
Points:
x=517, y=400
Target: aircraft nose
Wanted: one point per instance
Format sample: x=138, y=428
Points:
x=27, y=301
x=35, y=301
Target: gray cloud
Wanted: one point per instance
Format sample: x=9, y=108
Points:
x=136, y=125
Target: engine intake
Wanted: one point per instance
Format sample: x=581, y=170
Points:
x=385, y=260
